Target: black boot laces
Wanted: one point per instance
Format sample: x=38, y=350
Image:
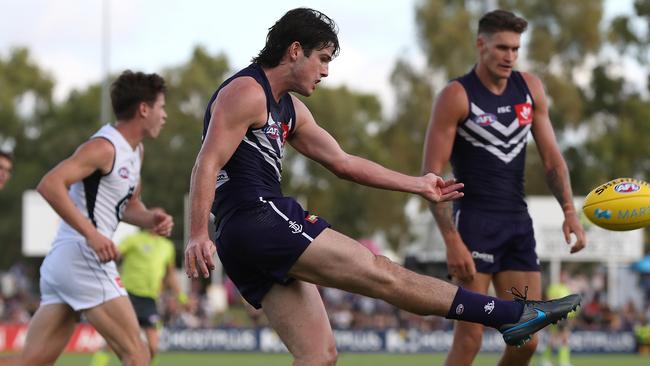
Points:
x=523, y=297
x=517, y=294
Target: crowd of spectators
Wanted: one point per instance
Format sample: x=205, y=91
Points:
x=19, y=299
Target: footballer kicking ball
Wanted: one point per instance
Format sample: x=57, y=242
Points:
x=620, y=204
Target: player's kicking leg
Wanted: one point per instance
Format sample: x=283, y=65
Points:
x=334, y=260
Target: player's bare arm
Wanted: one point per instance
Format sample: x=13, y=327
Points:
x=240, y=105
x=555, y=168
x=317, y=144
x=170, y=281
x=449, y=109
x=96, y=154
x=155, y=219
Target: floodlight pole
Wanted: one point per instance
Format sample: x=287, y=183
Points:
x=106, y=52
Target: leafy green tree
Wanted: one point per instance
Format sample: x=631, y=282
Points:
x=25, y=101
x=170, y=158
x=45, y=133
x=349, y=207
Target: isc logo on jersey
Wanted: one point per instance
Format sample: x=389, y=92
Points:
x=485, y=119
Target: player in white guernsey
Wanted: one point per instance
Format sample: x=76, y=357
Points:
x=92, y=191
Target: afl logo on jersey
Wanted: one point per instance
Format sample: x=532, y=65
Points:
x=524, y=113
x=272, y=132
x=485, y=119
x=123, y=172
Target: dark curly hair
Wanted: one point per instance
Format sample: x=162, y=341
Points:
x=309, y=27
x=132, y=88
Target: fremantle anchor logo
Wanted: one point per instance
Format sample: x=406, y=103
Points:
x=489, y=307
x=295, y=227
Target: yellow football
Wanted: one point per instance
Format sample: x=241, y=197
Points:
x=620, y=204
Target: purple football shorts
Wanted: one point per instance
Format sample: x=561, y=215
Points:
x=259, y=244
x=499, y=241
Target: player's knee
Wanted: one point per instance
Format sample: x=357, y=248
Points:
x=331, y=355
x=136, y=352
x=326, y=356
x=529, y=347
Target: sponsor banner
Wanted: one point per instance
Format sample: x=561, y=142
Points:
x=392, y=340
x=12, y=337
x=214, y=339
x=86, y=339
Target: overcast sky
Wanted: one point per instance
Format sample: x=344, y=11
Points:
x=64, y=36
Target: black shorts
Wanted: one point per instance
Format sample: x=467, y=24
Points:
x=146, y=311
x=259, y=244
x=499, y=241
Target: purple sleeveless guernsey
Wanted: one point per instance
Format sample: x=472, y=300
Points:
x=489, y=151
x=255, y=169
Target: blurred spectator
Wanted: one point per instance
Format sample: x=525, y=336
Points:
x=189, y=315
x=6, y=166
x=642, y=335
x=645, y=285
x=629, y=316
x=592, y=312
x=18, y=300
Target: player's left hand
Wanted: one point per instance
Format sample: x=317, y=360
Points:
x=437, y=189
x=572, y=225
x=163, y=222
x=198, y=257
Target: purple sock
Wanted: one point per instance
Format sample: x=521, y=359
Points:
x=487, y=310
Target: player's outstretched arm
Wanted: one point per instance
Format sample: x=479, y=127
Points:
x=317, y=144
x=91, y=156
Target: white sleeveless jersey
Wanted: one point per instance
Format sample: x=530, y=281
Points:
x=103, y=198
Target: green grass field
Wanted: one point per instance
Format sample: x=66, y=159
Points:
x=347, y=359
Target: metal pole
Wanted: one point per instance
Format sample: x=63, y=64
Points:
x=556, y=270
x=612, y=280
x=106, y=52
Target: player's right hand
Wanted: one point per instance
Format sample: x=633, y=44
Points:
x=460, y=263
x=103, y=247
x=198, y=257
x=437, y=189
